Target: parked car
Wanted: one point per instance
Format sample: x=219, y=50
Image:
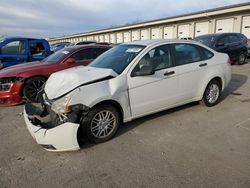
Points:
x=127, y=82
x=18, y=50
x=82, y=43
x=234, y=44
x=58, y=46
x=25, y=81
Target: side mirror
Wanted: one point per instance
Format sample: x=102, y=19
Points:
x=145, y=71
x=70, y=61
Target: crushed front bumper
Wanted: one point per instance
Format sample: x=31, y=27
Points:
x=12, y=96
x=59, y=138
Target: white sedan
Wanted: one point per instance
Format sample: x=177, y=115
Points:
x=129, y=81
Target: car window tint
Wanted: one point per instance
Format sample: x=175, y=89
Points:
x=233, y=38
x=186, y=53
x=208, y=54
x=37, y=49
x=14, y=47
x=83, y=55
x=224, y=40
x=158, y=57
x=99, y=51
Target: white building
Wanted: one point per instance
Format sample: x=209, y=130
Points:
x=235, y=18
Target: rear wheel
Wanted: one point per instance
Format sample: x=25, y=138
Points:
x=212, y=94
x=101, y=123
x=32, y=87
x=242, y=58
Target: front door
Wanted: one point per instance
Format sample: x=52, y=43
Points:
x=13, y=53
x=154, y=92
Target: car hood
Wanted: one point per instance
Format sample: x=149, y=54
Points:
x=65, y=81
x=13, y=71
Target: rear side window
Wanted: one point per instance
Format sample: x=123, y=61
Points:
x=83, y=55
x=99, y=51
x=206, y=53
x=233, y=39
x=186, y=53
x=224, y=40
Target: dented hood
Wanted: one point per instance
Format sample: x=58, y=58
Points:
x=65, y=81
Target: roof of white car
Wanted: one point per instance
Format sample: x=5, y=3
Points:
x=156, y=41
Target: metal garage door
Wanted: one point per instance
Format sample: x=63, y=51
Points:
x=144, y=34
x=96, y=38
x=119, y=37
x=135, y=35
x=155, y=33
x=101, y=38
x=127, y=36
x=201, y=28
x=246, y=26
x=112, y=38
x=168, y=32
x=106, y=38
x=226, y=25
x=90, y=38
x=183, y=31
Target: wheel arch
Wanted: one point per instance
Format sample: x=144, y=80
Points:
x=114, y=104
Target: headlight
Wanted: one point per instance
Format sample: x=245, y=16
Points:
x=5, y=83
x=60, y=106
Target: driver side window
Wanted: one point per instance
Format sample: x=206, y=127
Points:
x=82, y=55
x=158, y=58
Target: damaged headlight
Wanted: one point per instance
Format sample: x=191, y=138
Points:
x=5, y=83
x=63, y=106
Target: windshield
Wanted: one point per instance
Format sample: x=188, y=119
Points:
x=206, y=40
x=117, y=58
x=53, y=58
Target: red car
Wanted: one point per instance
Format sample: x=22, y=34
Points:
x=26, y=80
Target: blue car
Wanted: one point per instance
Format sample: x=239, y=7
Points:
x=17, y=50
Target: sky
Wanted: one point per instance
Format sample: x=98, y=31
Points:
x=54, y=18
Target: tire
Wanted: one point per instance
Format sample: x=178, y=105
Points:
x=242, y=58
x=214, y=89
x=95, y=124
x=32, y=87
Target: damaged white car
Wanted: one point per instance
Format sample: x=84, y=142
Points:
x=129, y=81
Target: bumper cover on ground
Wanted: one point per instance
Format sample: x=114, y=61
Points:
x=60, y=138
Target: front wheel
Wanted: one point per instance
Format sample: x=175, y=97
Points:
x=32, y=87
x=212, y=94
x=101, y=123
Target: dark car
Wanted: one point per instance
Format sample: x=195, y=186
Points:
x=17, y=50
x=25, y=81
x=234, y=44
x=58, y=46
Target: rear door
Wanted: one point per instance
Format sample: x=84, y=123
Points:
x=13, y=52
x=191, y=68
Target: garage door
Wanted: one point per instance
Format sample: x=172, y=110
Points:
x=201, y=28
x=226, y=25
x=127, y=36
x=135, y=35
x=106, y=38
x=155, y=33
x=168, y=32
x=183, y=31
x=246, y=26
x=96, y=38
x=112, y=38
x=90, y=38
x=144, y=34
x=119, y=37
x=101, y=38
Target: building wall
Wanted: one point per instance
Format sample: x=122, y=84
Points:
x=230, y=22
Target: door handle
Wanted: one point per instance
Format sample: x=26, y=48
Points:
x=169, y=73
x=203, y=65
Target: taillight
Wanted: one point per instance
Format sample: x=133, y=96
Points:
x=229, y=61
